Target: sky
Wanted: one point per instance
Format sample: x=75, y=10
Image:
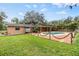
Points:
x=51, y=11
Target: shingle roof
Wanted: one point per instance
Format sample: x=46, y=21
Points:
x=21, y=25
x=26, y=25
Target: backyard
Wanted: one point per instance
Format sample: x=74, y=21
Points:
x=29, y=45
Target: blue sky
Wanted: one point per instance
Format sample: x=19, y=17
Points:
x=52, y=11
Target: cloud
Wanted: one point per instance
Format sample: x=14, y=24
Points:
x=43, y=9
x=43, y=5
x=59, y=5
x=61, y=12
x=4, y=9
x=35, y=6
x=28, y=6
x=21, y=14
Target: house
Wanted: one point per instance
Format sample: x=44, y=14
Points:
x=18, y=28
x=24, y=28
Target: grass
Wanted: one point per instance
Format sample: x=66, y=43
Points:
x=29, y=45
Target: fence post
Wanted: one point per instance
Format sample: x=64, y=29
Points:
x=50, y=33
x=71, y=37
x=39, y=30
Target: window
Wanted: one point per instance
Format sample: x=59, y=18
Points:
x=27, y=27
x=17, y=28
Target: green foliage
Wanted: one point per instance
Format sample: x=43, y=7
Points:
x=15, y=20
x=2, y=17
x=1, y=26
x=76, y=19
x=72, y=26
x=68, y=20
x=34, y=18
x=68, y=24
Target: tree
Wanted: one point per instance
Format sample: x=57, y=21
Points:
x=34, y=18
x=68, y=24
x=15, y=20
x=68, y=20
x=2, y=17
x=72, y=5
x=72, y=26
x=76, y=19
x=5, y=23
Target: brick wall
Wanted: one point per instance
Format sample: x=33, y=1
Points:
x=12, y=30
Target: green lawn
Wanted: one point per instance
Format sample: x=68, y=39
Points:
x=23, y=45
